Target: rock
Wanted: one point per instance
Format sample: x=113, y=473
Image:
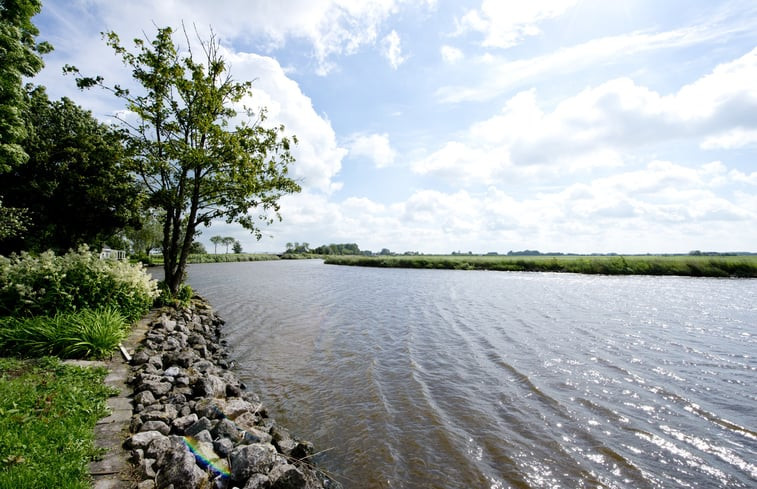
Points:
x=233, y=408
x=209, y=408
x=140, y=358
x=158, y=426
x=158, y=389
x=142, y=439
x=204, y=436
x=287, y=476
x=198, y=426
x=173, y=371
x=226, y=429
x=182, y=423
x=167, y=323
x=148, y=484
x=145, y=398
x=251, y=459
x=223, y=446
x=167, y=414
x=210, y=386
x=258, y=481
x=156, y=361
x=179, y=468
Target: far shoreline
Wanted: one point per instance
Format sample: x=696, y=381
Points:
x=737, y=266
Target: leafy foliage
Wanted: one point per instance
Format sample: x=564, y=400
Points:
x=48, y=284
x=19, y=58
x=13, y=221
x=76, y=185
x=195, y=167
x=47, y=414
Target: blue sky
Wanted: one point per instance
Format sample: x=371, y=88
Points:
x=624, y=126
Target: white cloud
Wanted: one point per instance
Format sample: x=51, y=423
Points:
x=451, y=55
x=596, y=127
x=318, y=156
x=496, y=75
x=331, y=28
x=644, y=210
x=731, y=139
x=373, y=146
x=392, y=49
x=505, y=24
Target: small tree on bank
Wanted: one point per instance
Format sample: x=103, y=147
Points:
x=194, y=167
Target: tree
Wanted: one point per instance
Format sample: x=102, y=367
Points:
x=76, y=185
x=216, y=240
x=193, y=165
x=237, y=247
x=197, y=248
x=19, y=58
x=146, y=237
x=227, y=241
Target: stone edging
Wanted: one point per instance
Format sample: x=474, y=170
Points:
x=194, y=425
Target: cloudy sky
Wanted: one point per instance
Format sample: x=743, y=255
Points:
x=624, y=126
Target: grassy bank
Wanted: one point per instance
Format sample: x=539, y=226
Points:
x=47, y=416
x=686, y=265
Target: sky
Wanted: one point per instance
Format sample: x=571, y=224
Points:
x=581, y=126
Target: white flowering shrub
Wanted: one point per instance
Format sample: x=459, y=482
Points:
x=48, y=284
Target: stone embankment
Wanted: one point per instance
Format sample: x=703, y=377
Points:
x=195, y=425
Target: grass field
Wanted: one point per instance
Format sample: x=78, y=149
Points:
x=686, y=265
x=48, y=411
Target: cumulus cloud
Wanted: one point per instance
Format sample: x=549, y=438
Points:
x=318, y=156
x=392, y=50
x=650, y=207
x=505, y=24
x=595, y=127
x=375, y=147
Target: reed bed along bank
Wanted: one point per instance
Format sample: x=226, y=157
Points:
x=742, y=266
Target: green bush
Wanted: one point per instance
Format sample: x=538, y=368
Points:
x=48, y=284
x=82, y=334
x=182, y=298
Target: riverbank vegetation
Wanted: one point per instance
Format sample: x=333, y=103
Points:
x=686, y=265
x=48, y=411
x=72, y=305
x=222, y=258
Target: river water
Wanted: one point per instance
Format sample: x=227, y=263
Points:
x=471, y=379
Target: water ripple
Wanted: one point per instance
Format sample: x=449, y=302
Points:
x=444, y=379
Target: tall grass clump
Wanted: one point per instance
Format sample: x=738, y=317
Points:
x=82, y=334
x=47, y=284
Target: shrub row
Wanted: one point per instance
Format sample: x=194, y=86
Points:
x=48, y=284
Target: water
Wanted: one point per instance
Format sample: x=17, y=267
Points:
x=459, y=379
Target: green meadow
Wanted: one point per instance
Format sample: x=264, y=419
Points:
x=744, y=266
